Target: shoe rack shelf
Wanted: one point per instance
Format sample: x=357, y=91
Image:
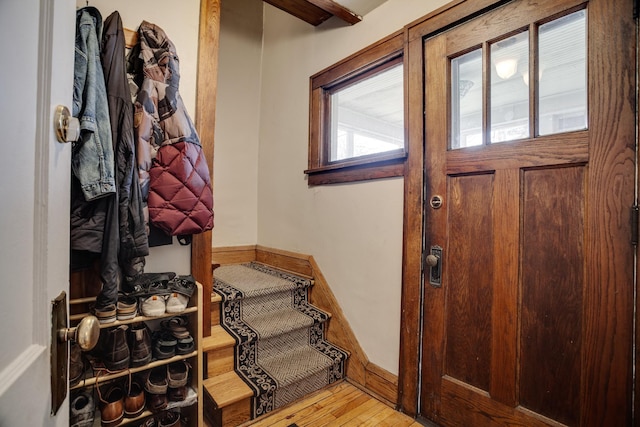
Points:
x=75, y=318
x=192, y=411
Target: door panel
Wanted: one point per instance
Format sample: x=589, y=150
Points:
x=471, y=282
x=34, y=248
x=551, y=316
x=533, y=322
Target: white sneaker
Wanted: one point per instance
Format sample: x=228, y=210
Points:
x=177, y=303
x=153, y=306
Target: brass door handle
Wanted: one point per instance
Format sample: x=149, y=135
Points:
x=86, y=334
x=432, y=260
x=434, y=263
x=67, y=127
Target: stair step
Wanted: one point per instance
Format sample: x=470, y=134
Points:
x=216, y=300
x=220, y=349
x=275, y=323
x=219, y=339
x=255, y=282
x=307, y=363
x=227, y=389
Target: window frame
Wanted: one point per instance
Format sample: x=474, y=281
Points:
x=373, y=59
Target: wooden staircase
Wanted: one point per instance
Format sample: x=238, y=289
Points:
x=227, y=397
x=229, y=400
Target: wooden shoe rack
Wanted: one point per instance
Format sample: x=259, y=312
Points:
x=192, y=413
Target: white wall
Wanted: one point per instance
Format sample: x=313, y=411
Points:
x=235, y=174
x=180, y=21
x=354, y=231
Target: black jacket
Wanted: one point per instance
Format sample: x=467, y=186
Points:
x=133, y=241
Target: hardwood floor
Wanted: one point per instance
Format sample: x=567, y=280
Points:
x=339, y=405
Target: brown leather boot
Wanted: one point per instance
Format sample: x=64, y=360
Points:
x=139, y=340
x=115, y=352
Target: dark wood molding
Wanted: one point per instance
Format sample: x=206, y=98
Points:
x=207, y=81
x=362, y=172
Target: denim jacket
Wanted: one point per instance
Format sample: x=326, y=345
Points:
x=92, y=160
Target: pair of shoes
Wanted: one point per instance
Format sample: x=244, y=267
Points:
x=76, y=363
x=164, y=345
x=114, y=350
x=126, y=308
x=177, y=326
x=106, y=314
x=184, y=285
x=111, y=405
x=135, y=400
x=154, y=305
x=149, y=284
x=139, y=341
x=81, y=409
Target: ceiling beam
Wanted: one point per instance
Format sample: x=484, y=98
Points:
x=315, y=12
x=337, y=10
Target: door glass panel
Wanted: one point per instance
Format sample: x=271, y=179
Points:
x=562, y=73
x=509, y=89
x=466, y=100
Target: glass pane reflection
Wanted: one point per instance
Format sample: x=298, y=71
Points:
x=466, y=100
x=562, y=73
x=368, y=116
x=509, y=88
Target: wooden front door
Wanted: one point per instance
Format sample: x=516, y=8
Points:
x=529, y=144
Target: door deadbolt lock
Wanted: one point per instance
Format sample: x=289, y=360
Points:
x=436, y=202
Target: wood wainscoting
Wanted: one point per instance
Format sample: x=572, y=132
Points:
x=360, y=371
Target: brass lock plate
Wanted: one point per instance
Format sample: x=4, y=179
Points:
x=59, y=352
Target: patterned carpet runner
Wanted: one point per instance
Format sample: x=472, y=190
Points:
x=281, y=352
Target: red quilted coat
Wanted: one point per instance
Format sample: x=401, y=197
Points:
x=173, y=171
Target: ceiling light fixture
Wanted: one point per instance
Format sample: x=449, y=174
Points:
x=506, y=68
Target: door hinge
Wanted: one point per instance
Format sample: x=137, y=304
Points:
x=635, y=217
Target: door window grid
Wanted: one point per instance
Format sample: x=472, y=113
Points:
x=557, y=51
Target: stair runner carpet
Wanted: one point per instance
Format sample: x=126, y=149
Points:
x=280, y=351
